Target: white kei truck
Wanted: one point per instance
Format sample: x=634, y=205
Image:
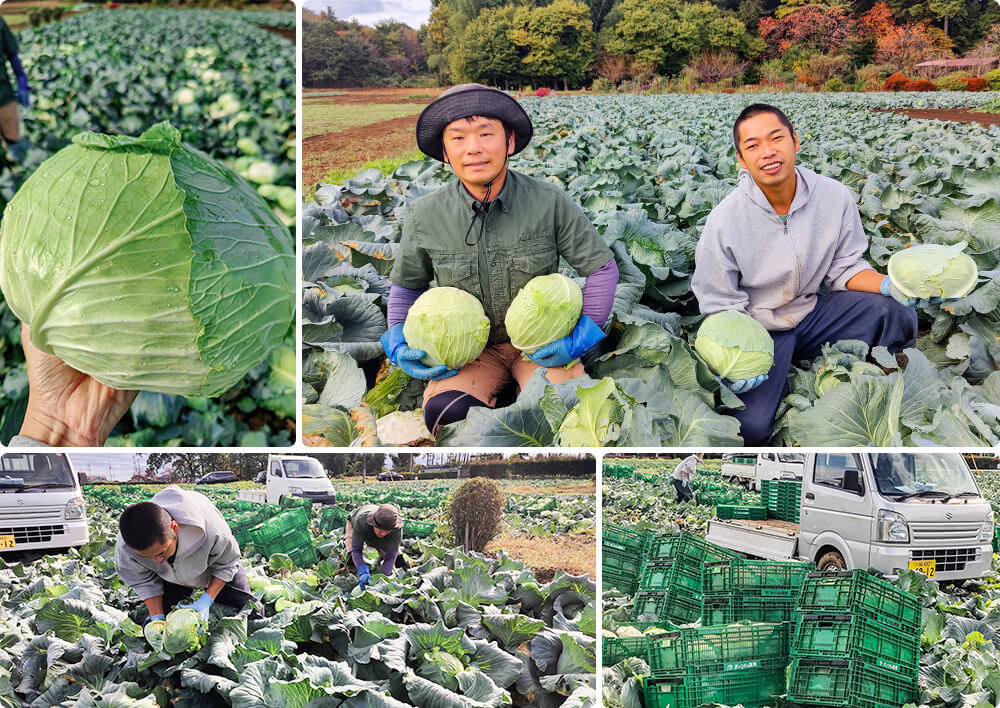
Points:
x=41, y=503
x=882, y=510
x=767, y=465
x=294, y=475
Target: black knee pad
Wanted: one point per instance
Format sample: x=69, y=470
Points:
x=448, y=407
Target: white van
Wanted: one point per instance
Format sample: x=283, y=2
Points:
x=41, y=503
x=299, y=476
x=883, y=510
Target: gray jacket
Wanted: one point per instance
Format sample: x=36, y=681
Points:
x=686, y=468
x=747, y=260
x=205, y=547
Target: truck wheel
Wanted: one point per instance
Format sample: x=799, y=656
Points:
x=831, y=560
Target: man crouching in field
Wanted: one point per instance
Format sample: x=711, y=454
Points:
x=787, y=248
x=488, y=233
x=174, y=544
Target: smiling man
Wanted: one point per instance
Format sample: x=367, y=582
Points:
x=787, y=248
x=174, y=544
x=488, y=233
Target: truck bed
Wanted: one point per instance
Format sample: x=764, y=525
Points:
x=771, y=539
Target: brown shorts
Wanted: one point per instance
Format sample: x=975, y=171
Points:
x=10, y=123
x=485, y=377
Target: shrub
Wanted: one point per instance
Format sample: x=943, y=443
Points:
x=975, y=83
x=602, y=85
x=952, y=82
x=475, y=512
x=993, y=79
x=896, y=82
x=870, y=77
x=919, y=85
x=35, y=18
x=543, y=91
x=835, y=84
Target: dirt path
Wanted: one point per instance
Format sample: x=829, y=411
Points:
x=356, y=146
x=382, y=95
x=955, y=115
x=575, y=553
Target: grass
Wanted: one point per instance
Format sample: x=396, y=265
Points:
x=318, y=94
x=420, y=95
x=991, y=106
x=16, y=19
x=322, y=119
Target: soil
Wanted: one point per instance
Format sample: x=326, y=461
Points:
x=574, y=553
x=954, y=115
x=379, y=95
x=354, y=147
x=286, y=32
x=568, y=487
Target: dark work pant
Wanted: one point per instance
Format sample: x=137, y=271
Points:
x=448, y=407
x=236, y=593
x=870, y=317
x=683, y=491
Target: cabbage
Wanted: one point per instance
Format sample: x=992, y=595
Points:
x=181, y=632
x=595, y=419
x=449, y=325
x=933, y=270
x=148, y=265
x=546, y=309
x=734, y=345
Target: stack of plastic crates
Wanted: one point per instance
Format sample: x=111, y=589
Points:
x=331, y=518
x=615, y=649
x=417, y=529
x=728, y=664
x=751, y=590
x=740, y=511
x=623, y=553
x=670, y=586
x=287, y=501
x=782, y=497
x=287, y=533
x=856, y=643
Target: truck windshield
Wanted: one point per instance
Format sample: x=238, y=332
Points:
x=301, y=469
x=938, y=475
x=34, y=471
x=794, y=457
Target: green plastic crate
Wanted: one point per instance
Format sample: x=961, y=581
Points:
x=852, y=591
x=735, y=511
x=614, y=650
x=751, y=576
x=777, y=607
x=857, y=637
x=752, y=688
x=718, y=648
x=418, y=529
x=677, y=607
x=689, y=546
x=624, y=540
x=853, y=684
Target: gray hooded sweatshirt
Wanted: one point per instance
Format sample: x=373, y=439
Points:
x=748, y=260
x=205, y=547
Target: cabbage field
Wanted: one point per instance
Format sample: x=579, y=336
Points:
x=455, y=630
x=648, y=170
x=228, y=86
x=960, y=633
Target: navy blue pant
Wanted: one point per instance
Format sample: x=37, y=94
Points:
x=870, y=317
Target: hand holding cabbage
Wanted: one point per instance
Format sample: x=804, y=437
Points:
x=930, y=273
x=545, y=322
x=737, y=348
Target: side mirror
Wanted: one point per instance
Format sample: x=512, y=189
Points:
x=82, y=477
x=852, y=482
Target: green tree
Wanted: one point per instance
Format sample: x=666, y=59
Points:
x=666, y=33
x=555, y=42
x=486, y=52
x=946, y=9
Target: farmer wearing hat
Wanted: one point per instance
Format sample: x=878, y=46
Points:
x=10, y=119
x=787, y=248
x=682, y=474
x=379, y=527
x=174, y=544
x=489, y=232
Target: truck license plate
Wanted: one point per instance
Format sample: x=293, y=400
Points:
x=6, y=542
x=926, y=567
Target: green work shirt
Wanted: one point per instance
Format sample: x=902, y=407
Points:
x=363, y=533
x=530, y=224
x=8, y=46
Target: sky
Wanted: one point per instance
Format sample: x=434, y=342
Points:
x=367, y=12
x=120, y=465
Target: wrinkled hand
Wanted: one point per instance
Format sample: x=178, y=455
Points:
x=364, y=576
x=745, y=385
x=889, y=289
x=201, y=605
x=409, y=360
x=67, y=407
x=581, y=340
x=23, y=96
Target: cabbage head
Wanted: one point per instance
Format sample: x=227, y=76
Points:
x=147, y=265
x=933, y=270
x=181, y=632
x=449, y=325
x=546, y=309
x=734, y=345
x=596, y=419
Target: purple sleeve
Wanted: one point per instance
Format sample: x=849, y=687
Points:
x=401, y=299
x=598, y=293
x=389, y=564
x=358, y=552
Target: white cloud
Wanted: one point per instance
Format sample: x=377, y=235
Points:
x=368, y=12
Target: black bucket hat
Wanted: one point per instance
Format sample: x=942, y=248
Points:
x=464, y=101
x=386, y=518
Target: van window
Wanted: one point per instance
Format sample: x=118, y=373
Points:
x=830, y=468
x=276, y=469
x=41, y=470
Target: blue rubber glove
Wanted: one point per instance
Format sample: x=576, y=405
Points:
x=744, y=385
x=156, y=618
x=200, y=605
x=364, y=576
x=581, y=340
x=23, y=97
x=394, y=344
x=890, y=290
